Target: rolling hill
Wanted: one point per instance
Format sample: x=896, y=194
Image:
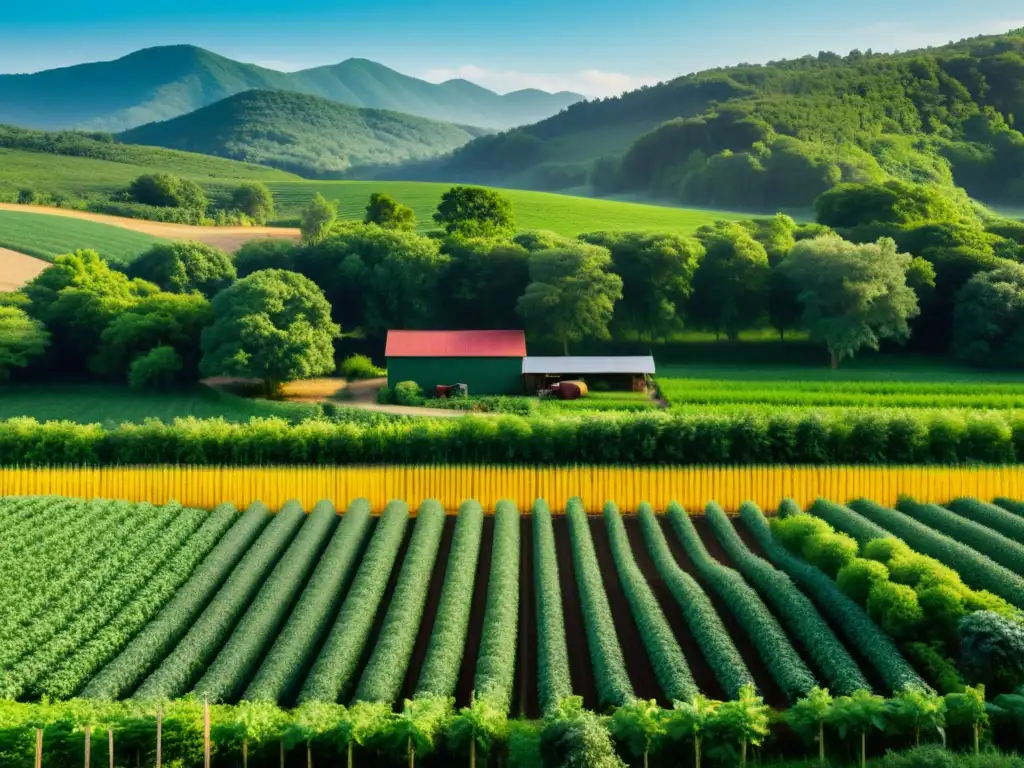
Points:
x=307, y=135
x=761, y=138
x=160, y=83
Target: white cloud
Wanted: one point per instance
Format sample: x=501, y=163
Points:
x=590, y=82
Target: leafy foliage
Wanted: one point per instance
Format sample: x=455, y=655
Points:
x=182, y=267
x=729, y=286
x=165, y=190
x=317, y=219
x=255, y=200
x=554, y=683
x=988, y=324
x=21, y=339
x=992, y=651
x=384, y=211
x=475, y=212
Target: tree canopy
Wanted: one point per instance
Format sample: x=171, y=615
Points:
x=180, y=267
x=386, y=212
x=475, y=212
x=989, y=318
x=21, y=339
x=729, y=285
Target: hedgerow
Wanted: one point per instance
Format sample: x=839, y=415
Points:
x=857, y=627
x=257, y=628
x=496, y=660
x=281, y=671
x=65, y=679
x=159, y=636
x=988, y=542
x=976, y=570
x=610, y=675
x=554, y=682
x=702, y=619
x=212, y=629
x=332, y=673
x=868, y=437
x=440, y=672
x=666, y=656
x=995, y=517
x=385, y=671
x=137, y=573
x=774, y=648
x=796, y=611
x=1010, y=505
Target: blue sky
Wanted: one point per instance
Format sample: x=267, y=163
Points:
x=598, y=47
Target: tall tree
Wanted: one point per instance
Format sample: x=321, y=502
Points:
x=384, y=211
x=475, y=212
x=255, y=200
x=317, y=219
x=657, y=278
x=273, y=325
x=730, y=285
x=852, y=295
x=21, y=339
x=989, y=318
x=181, y=267
x=484, y=280
x=572, y=292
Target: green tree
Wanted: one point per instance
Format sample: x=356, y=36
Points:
x=273, y=325
x=248, y=725
x=171, y=320
x=640, y=725
x=692, y=720
x=572, y=293
x=890, y=202
x=915, y=710
x=384, y=211
x=809, y=715
x=578, y=738
x=852, y=295
x=484, y=280
x=414, y=731
x=166, y=191
x=475, y=212
x=159, y=369
x=265, y=253
x=181, y=267
x=992, y=651
x=657, y=278
x=744, y=719
x=255, y=200
x=21, y=339
x=988, y=326
x=479, y=726
x=856, y=715
x=968, y=708
x=318, y=219
x=730, y=285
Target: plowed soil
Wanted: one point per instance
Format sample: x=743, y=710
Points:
x=575, y=628
x=471, y=651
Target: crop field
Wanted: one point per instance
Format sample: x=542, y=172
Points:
x=109, y=404
x=48, y=236
x=563, y=214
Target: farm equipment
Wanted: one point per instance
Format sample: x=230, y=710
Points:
x=569, y=390
x=451, y=390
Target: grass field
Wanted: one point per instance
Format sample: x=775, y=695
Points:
x=533, y=210
x=48, y=236
x=107, y=404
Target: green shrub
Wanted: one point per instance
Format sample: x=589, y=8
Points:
x=254, y=199
x=28, y=196
x=992, y=651
x=857, y=577
x=359, y=367
x=156, y=369
x=830, y=551
x=940, y=672
x=167, y=191
x=385, y=396
x=895, y=607
x=408, y=393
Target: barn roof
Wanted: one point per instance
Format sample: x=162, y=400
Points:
x=560, y=365
x=455, y=344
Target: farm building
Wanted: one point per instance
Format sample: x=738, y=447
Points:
x=620, y=373
x=488, y=362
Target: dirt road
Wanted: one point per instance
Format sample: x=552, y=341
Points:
x=16, y=269
x=229, y=239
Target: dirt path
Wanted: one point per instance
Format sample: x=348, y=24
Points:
x=16, y=269
x=226, y=238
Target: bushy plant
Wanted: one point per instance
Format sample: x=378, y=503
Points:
x=357, y=367
x=857, y=577
x=408, y=393
x=992, y=651
x=158, y=368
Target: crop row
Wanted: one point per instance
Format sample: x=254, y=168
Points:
x=554, y=681
x=180, y=669
x=332, y=674
x=795, y=610
x=610, y=675
x=385, y=671
x=69, y=630
x=496, y=661
x=991, y=515
x=877, y=437
x=774, y=648
x=65, y=679
x=258, y=627
x=976, y=570
x=440, y=673
x=702, y=619
x=280, y=673
x=857, y=627
x=666, y=656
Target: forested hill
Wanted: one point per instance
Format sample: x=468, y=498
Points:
x=160, y=83
x=303, y=134
x=764, y=137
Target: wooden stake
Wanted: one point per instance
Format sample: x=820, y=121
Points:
x=110, y=745
x=39, y=748
x=309, y=754
x=206, y=734
x=88, y=744
x=245, y=753
x=159, y=736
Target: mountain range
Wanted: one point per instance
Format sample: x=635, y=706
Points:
x=160, y=83
x=307, y=135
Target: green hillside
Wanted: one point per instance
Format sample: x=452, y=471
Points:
x=308, y=135
x=157, y=84
x=776, y=136
x=565, y=214
x=45, y=236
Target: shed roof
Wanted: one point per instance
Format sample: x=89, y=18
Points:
x=559, y=365
x=455, y=344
